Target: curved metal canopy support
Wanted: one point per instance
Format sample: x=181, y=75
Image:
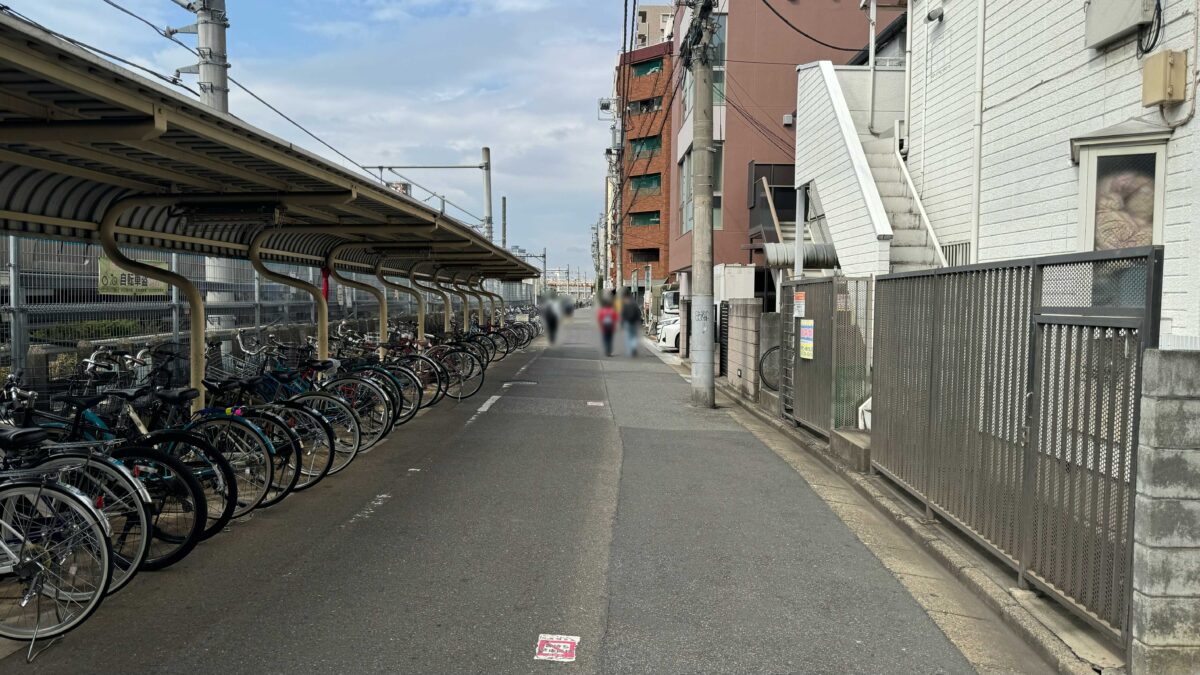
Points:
x=435, y=289
x=476, y=284
x=322, y=305
x=497, y=298
x=404, y=289
x=379, y=295
x=196, y=320
x=467, y=290
x=462, y=297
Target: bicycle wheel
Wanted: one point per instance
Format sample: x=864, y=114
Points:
x=287, y=455
x=389, y=384
x=769, y=368
x=500, y=344
x=249, y=454
x=119, y=497
x=177, y=507
x=58, y=557
x=410, y=393
x=431, y=376
x=371, y=404
x=316, y=441
x=465, y=372
x=347, y=428
x=210, y=467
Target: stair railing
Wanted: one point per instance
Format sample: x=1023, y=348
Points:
x=915, y=196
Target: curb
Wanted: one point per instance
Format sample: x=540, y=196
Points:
x=1025, y=624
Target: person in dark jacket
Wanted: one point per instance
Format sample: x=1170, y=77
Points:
x=631, y=320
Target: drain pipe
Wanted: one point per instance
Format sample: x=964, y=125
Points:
x=977, y=142
x=433, y=288
x=378, y=294
x=908, y=78
x=405, y=289
x=195, y=300
x=873, y=16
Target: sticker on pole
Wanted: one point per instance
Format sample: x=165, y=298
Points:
x=798, y=304
x=556, y=647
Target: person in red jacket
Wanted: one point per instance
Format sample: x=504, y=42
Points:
x=606, y=317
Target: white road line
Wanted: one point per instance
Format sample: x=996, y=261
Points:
x=488, y=403
x=369, y=509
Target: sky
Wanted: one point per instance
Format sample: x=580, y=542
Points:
x=403, y=82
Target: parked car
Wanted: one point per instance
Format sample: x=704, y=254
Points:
x=668, y=333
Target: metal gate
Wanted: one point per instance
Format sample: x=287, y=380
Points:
x=723, y=337
x=1006, y=398
x=787, y=324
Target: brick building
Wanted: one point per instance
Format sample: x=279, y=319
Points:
x=646, y=75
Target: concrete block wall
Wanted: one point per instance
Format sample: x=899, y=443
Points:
x=1166, y=522
x=744, y=316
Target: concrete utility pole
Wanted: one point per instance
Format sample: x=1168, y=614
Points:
x=487, y=193
x=504, y=223
x=213, y=68
x=701, y=326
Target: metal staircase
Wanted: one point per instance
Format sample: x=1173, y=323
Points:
x=912, y=247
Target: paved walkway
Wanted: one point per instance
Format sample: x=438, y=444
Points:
x=574, y=495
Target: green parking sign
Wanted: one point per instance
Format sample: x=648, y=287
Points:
x=113, y=280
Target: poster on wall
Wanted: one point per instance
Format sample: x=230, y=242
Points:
x=798, y=304
x=113, y=280
x=806, y=339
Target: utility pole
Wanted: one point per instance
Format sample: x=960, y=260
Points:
x=213, y=68
x=487, y=193
x=701, y=326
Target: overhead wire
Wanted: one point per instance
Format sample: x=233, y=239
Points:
x=815, y=39
x=162, y=32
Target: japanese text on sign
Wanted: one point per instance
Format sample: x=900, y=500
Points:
x=113, y=280
x=798, y=304
x=806, y=339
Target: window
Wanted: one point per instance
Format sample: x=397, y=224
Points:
x=1122, y=196
x=646, y=105
x=686, y=211
x=645, y=146
x=643, y=255
x=687, y=178
x=644, y=218
x=648, y=184
x=648, y=67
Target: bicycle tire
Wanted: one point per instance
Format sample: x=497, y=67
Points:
x=248, y=452
x=40, y=498
x=345, y=423
x=169, y=482
x=287, y=455
x=211, y=468
x=316, y=439
x=768, y=368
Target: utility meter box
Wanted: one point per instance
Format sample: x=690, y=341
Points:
x=732, y=281
x=1110, y=20
x=1164, y=78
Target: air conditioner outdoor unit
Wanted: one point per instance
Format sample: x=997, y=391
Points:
x=1107, y=21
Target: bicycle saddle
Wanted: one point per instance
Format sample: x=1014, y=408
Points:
x=12, y=438
x=129, y=394
x=177, y=396
x=321, y=365
x=285, y=376
x=81, y=402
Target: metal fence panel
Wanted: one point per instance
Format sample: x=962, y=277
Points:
x=723, y=338
x=812, y=378
x=1006, y=398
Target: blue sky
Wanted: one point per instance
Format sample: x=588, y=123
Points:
x=416, y=82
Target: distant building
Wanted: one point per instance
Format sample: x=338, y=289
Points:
x=654, y=23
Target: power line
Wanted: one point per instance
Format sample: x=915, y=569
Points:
x=810, y=37
x=109, y=55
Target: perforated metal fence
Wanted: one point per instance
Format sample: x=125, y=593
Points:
x=723, y=338
x=828, y=351
x=1006, y=398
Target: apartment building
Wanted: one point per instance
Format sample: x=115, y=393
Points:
x=757, y=52
x=654, y=24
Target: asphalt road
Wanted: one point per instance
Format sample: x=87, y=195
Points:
x=574, y=495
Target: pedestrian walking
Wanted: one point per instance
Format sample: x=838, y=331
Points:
x=631, y=319
x=606, y=317
x=550, y=316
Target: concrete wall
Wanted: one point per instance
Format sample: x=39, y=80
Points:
x=829, y=154
x=744, y=317
x=1042, y=87
x=1166, y=521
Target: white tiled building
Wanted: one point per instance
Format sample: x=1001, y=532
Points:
x=1066, y=144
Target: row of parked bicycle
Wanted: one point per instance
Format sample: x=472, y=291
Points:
x=120, y=475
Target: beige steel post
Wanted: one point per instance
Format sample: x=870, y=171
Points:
x=380, y=296
x=318, y=297
x=196, y=324
x=411, y=291
x=465, y=288
x=436, y=290
x=461, y=296
x=477, y=284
